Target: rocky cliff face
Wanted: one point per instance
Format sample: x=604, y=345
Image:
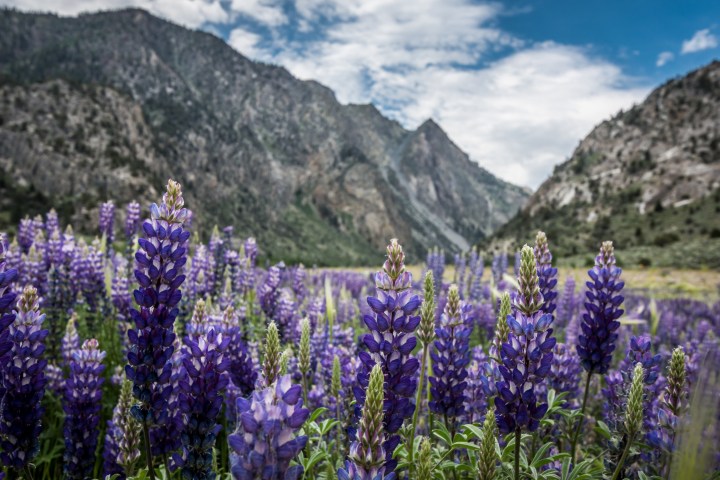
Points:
x=109, y=105
x=648, y=176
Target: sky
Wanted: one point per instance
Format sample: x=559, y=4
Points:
x=515, y=84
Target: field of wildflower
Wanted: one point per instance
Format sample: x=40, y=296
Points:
x=151, y=355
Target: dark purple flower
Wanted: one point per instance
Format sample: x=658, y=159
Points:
x=201, y=402
x=132, y=220
x=24, y=383
x=82, y=402
x=546, y=273
x=450, y=358
x=106, y=221
x=160, y=263
x=264, y=443
x=526, y=356
x=390, y=343
x=602, y=310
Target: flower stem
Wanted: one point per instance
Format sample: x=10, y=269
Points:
x=418, y=403
x=28, y=472
x=621, y=463
x=148, y=450
x=573, y=445
x=517, y=453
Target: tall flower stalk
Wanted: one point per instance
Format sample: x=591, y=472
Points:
x=82, y=402
x=599, y=322
x=367, y=455
x=633, y=416
x=390, y=345
x=450, y=358
x=161, y=260
x=526, y=358
x=24, y=383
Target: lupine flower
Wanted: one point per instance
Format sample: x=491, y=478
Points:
x=160, y=262
x=299, y=283
x=566, y=306
x=26, y=234
x=24, y=383
x=450, y=359
x=599, y=322
x=264, y=443
x=106, y=221
x=241, y=369
x=201, y=402
x=7, y=300
x=268, y=292
x=502, y=329
x=122, y=440
x=81, y=402
x=390, y=344
x=634, y=411
x=672, y=403
x=426, y=329
x=565, y=372
x=476, y=270
x=70, y=341
x=487, y=456
x=436, y=264
x=367, y=455
x=546, y=273
x=526, y=356
x=132, y=219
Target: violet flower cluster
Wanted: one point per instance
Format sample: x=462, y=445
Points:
x=201, y=401
x=526, y=356
x=264, y=443
x=602, y=310
x=547, y=274
x=24, y=383
x=160, y=262
x=390, y=343
x=81, y=401
x=450, y=358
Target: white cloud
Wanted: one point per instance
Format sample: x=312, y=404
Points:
x=267, y=12
x=702, y=40
x=517, y=117
x=664, y=58
x=191, y=13
x=246, y=43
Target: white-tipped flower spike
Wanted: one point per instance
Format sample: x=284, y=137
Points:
x=271, y=365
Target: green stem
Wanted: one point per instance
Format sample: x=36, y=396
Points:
x=418, y=403
x=148, y=450
x=573, y=444
x=621, y=463
x=517, y=453
x=28, y=472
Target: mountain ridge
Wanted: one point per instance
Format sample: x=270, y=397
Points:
x=648, y=178
x=253, y=146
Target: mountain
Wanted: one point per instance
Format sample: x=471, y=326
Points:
x=647, y=178
x=109, y=105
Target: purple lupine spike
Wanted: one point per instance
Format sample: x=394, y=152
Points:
x=120, y=292
x=285, y=315
x=82, y=403
x=132, y=220
x=264, y=443
x=526, y=356
x=450, y=357
x=566, y=307
x=390, y=343
x=70, y=341
x=160, y=261
x=24, y=381
x=476, y=290
x=52, y=223
x=241, y=369
x=26, y=234
x=602, y=310
x=200, y=402
x=565, y=373
x=436, y=264
x=299, y=284
x=106, y=221
x=166, y=437
x=122, y=438
x=268, y=293
x=7, y=316
x=546, y=273
x=475, y=393
x=517, y=263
